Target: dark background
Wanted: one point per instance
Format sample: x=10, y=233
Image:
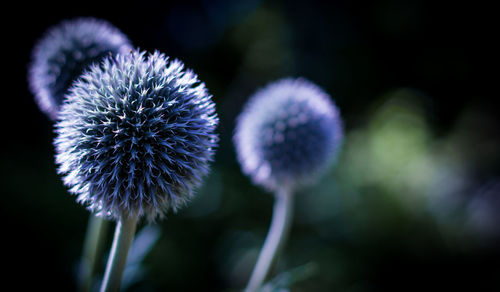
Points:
x=417, y=72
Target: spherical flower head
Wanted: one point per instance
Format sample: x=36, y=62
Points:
x=287, y=134
x=64, y=52
x=135, y=136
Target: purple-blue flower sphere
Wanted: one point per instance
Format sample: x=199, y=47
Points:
x=135, y=136
x=64, y=52
x=287, y=134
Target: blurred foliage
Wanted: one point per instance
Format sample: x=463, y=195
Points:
x=283, y=281
x=411, y=205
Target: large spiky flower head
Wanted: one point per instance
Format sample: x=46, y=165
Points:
x=136, y=135
x=287, y=134
x=64, y=52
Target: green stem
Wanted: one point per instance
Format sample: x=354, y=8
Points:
x=124, y=235
x=92, y=249
x=275, y=240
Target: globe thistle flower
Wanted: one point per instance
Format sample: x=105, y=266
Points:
x=64, y=52
x=136, y=135
x=287, y=134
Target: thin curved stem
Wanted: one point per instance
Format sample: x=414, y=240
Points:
x=124, y=235
x=92, y=249
x=275, y=240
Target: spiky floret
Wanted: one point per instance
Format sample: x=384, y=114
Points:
x=136, y=135
x=64, y=52
x=287, y=134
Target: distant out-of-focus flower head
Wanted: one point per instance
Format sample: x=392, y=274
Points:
x=136, y=135
x=64, y=52
x=287, y=134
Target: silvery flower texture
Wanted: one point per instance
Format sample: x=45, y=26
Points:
x=136, y=135
x=287, y=134
x=64, y=52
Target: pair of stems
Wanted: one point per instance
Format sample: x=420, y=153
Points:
x=275, y=239
x=125, y=231
x=124, y=235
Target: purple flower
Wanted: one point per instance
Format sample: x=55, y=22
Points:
x=136, y=135
x=287, y=134
x=64, y=52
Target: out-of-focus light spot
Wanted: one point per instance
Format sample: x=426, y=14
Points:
x=392, y=152
x=396, y=158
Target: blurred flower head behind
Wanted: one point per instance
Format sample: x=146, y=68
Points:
x=65, y=52
x=288, y=133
